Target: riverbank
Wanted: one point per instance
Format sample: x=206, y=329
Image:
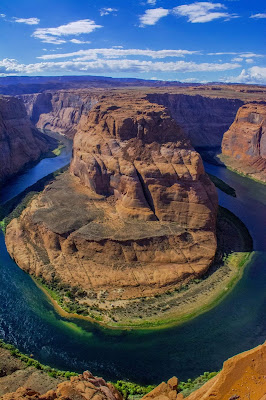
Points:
x=18, y=368
x=173, y=307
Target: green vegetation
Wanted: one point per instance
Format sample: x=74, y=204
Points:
x=14, y=207
x=222, y=185
x=127, y=389
x=58, y=150
x=132, y=390
x=30, y=362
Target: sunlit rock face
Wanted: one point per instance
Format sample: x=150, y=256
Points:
x=244, y=144
x=20, y=141
x=135, y=216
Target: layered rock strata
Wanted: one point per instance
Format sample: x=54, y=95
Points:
x=20, y=141
x=136, y=216
x=60, y=111
x=244, y=144
x=203, y=119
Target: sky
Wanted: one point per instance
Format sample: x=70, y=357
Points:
x=181, y=40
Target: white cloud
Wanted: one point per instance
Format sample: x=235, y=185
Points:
x=255, y=75
x=77, y=41
x=249, y=60
x=258, y=16
x=107, y=11
x=243, y=55
x=152, y=16
x=27, y=21
x=10, y=66
x=200, y=12
x=93, y=54
x=2, y=15
x=237, y=59
x=152, y=2
x=53, y=35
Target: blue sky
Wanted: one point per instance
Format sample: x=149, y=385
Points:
x=149, y=39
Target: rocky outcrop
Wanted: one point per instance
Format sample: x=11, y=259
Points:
x=243, y=377
x=244, y=144
x=203, y=119
x=166, y=390
x=20, y=141
x=82, y=387
x=15, y=374
x=135, y=218
x=60, y=111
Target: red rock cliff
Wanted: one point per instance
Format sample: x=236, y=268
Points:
x=20, y=141
x=244, y=144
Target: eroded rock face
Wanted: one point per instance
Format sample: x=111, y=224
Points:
x=244, y=144
x=242, y=377
x=203, y=119
x=135, y=218
x=60, y=111
x=82, y=387
x=20, y=141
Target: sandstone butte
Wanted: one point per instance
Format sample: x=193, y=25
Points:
x=20, y=141
x=136, y=215
x=244, y=144
x=243, y=377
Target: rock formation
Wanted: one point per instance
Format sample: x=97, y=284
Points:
x=20, y=141
x=60, y=111
x=244, y=144
x=135, y=218
x=203, y=119
x=82, y=387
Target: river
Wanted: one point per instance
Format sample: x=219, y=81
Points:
x=238, y=323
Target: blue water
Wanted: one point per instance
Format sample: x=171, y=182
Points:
x=29, y=321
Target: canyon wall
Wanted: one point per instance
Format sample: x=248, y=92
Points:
x=60, y=111
x=203, y=119
x=136, y=216
x=244, y=144
x=20, y=141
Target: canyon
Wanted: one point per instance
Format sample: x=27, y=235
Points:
x=20, y=142
x=135, y=216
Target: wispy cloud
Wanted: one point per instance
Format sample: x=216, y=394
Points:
x=27, y=21
x=2, y=15
x=242, y=55
x=152, y=2
x=107, y=11
x=10, y=66
x=77, y=41
x=54, y=35
x=93, y=54
x=201, y=12
x=258, y=16
x=152, y=16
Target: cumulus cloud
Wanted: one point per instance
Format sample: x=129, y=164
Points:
x=107, y=11
x=54, y=35
x=27, y=21
x=152, y=2
x=152, y=16
x=200, y=12
x=255, y=75
x=249, y=60
x=258, y=16
x=10, y=66
x=117, y=51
